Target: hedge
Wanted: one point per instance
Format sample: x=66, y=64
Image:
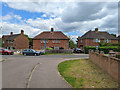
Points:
x=86, y=49
x=105, y=49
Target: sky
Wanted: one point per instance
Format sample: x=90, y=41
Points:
x=72, y=18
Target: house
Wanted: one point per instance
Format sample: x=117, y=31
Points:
x=119, y=39
x=51, y=39
x=93, y=38
x=15, y=41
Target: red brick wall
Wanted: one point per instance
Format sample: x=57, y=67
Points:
x=63, y=43
x=89, y=42
x=21, y=42
x=108, y=64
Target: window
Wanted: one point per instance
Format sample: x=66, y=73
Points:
x=109, y=40
x=3, y=42
x=11, y=41
x=105, y=40
x=53, y=41
x=41, y=41
x=96, y=40
x=81, y=41
x=59, y=41
x=46, y=41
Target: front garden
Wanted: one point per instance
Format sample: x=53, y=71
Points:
x=84, y=74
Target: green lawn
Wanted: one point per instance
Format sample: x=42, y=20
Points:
x=84, y=74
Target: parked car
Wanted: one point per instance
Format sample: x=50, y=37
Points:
x=77, y=50
x=30, y=52
x=6, y=52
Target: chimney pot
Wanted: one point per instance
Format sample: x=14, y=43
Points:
x=52, y=29
x=96, y=29
x=11, y=33
x=22, y=32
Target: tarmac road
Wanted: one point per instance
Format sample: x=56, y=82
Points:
x=20, y=71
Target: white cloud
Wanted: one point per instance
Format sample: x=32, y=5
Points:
x=16, y=28
x=68, y=17
x=7, y=17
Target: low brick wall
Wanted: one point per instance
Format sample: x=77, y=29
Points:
x=110, y=65
x=59, y=51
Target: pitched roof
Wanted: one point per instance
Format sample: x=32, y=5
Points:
x=10, y=37
x=51, y=35
x=97, y=34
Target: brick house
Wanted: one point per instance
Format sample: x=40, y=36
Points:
x=92, y=38
x=15, y=41
x=50, y=39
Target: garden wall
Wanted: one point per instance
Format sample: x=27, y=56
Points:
x=110, y=65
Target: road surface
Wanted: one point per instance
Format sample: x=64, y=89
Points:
x=20, y=71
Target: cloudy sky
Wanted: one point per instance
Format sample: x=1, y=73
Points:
x=73, y=18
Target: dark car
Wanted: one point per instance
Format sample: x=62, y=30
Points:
x=77, y=50
x=6, y=52
x=31, y=52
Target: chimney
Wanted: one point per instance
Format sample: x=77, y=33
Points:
x=52, y=29
x=22, y=32
x=96, y=29
x=11, y=33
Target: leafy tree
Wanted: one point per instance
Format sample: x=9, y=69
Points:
x=114, y=35
x=72, y=44
x=30, y=40
x=0, y=42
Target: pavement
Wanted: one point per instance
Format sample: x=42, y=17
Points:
x=20, y=71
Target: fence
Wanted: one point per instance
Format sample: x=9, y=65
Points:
x=59, y=51
x=108, y=64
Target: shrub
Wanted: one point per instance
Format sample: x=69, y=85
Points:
x=86, y=49
x=61, y=48
x=118, y=56
x=48, y=48
x=105, y=49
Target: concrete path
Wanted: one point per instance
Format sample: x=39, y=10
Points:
x=34, y=71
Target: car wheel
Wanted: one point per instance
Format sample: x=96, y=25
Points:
x=35, y=54
x=6, y=53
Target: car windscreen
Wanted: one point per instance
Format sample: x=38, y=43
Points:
x=6, y=50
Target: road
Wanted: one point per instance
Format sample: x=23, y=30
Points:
x=20, y=71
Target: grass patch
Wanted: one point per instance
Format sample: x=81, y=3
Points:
x=84, y=74
x=2, y=60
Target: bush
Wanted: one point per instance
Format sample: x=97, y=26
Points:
x=105, y=49
x=86, y=49
x=111, y=44
x=118, y=56
x=49, y=48
x=61, y=48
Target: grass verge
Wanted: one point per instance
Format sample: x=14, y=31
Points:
x=84, y=74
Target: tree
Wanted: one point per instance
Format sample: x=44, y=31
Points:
x=72, y=44
x=114, y=35
x=0, y=42
x=30, y=41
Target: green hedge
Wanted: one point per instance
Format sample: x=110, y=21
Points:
x=86, y=49
x=111, y=44
x=105, y=49
x=118, y=56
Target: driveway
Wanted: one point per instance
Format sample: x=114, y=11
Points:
x=34, y=71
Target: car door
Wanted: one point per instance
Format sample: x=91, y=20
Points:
x=31, y=52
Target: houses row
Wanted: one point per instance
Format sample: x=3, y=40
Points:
x=56, y=40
